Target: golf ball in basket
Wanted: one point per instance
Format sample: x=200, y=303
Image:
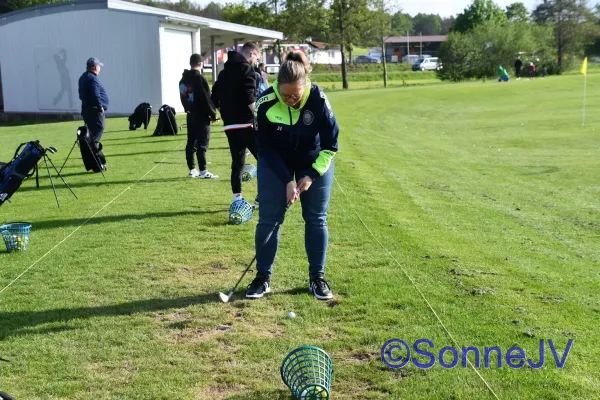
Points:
x=291, y=315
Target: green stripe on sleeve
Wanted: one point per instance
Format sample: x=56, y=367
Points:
x=322, y=163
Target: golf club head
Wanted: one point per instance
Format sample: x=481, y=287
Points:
x=225, y=297
x=51, y=149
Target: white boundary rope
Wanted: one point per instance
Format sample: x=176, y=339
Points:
x=79, y=227
x=416, y=287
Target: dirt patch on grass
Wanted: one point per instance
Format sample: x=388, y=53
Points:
x=217, y=392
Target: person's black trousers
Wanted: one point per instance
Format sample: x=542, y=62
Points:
x=198, y=137
x=94, y=120
x=240, y=140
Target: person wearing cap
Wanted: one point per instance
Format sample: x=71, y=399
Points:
x=195, y=98
x=94, y=99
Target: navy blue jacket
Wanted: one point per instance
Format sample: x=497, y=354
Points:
x=91, y=92
x=300, y=142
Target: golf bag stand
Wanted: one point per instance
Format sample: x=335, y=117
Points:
x=93, y=158
x=23, y=166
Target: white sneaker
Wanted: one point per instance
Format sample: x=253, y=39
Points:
x=208, y=175
x=193, y=173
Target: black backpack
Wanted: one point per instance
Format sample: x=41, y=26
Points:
x=22, y=166
x=141, y=116
x=167, y=123
x=91, y=152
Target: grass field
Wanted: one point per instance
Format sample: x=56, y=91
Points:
x=486, y=195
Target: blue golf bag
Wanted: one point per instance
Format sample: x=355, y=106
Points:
x=22, y=166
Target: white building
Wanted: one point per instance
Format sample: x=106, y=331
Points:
x=43, y=51
x=322, y=53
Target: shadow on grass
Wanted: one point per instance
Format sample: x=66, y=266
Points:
x=108, y=155
x=21, y=322
x=270, y=395
x=61, y=223
x=58, y=183
x=138, y=142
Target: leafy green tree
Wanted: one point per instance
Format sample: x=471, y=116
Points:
x=402, y=23
x=478, y=12
x=448, y=24
x=347, y=22
x=573, y=25
x=427, y=24
x=517, y=12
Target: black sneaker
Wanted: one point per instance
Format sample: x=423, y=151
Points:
x=258, y=288
x=320, y=289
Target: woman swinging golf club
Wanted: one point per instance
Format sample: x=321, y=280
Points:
x=297, y=137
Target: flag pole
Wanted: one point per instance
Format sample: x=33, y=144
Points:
x=584, y=96
x=584, y=72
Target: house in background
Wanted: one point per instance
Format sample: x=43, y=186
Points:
x=397, y=48
x=323, y=53
x=317, y=53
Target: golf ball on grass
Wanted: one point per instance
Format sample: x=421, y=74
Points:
x=291, y=315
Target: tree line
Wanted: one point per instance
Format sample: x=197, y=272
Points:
x=556, y=33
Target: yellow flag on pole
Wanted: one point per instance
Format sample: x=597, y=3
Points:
x=584, y=67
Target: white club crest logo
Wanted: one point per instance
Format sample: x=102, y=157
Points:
x=308, y=117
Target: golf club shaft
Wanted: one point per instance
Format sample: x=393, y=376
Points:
x=254, y=258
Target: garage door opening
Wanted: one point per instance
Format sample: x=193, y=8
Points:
x=175, y=51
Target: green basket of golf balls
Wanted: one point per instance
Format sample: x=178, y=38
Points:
x=307, y=371
x=16, y=235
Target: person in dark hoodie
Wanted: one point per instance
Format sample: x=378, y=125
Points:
x=234, y=93
x=195, y=98
x=94, y=99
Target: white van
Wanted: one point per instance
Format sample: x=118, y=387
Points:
x=427, y=64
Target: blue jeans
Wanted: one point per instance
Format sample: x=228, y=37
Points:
x=272, y=200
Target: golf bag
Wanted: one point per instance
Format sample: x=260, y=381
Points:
x=167, y=124
x=4, y=396
x=91, y=152
x=22, y=166
x=141, y=116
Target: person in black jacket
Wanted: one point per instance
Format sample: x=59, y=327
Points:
x=518, y=66
x=234, y=93
x=195, y=98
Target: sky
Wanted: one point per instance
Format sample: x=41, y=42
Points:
x=445, y=8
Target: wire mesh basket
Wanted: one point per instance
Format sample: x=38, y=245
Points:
x=307, y=371
x=16, y=235
x=240, y=212
x=249, y=172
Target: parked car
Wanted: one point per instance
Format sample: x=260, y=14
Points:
x=366, y=60
x=427, y=64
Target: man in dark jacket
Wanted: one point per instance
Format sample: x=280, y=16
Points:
x=518, y=66
x=94, y=99
x=234, y=93
x=195, y=98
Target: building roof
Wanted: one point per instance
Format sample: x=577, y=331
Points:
x=418, y=38
x=225, y=32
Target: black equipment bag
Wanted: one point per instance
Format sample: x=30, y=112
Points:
x=22, y=166
x=167, y=124
x=91, y=152
x=141, y=116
